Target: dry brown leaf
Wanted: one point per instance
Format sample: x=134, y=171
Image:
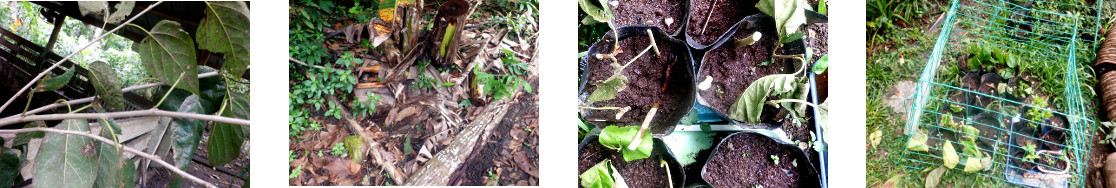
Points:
x=338, y=168
x=525, y=163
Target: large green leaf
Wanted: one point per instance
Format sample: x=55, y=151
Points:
x=56, y=82
x=104, y=80
x=789, y=16
x=66, y=160
x=748, y=107
x=115, y=170
x=169, y=52
x=599, y=176
x=9, y=167
x=225, y=140
x=597, y=13
x=614, y=137
x=225, y=29
x=187, y=132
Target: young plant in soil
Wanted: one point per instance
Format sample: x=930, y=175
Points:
x=748, y=159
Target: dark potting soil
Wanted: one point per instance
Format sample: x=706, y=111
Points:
x=1022, y=165
x=1054, y=140
x=637, y=173
x=651, y=13
x=1050, y=162
x=818, y=40
x=645, y=88
x=744, y=160
x=725, y=14
x=734, y=69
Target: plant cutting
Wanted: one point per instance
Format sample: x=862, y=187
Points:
x=624, y=81
x=709, y=20
x=658, y=169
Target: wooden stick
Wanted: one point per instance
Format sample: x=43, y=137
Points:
x=643, y=128
x=707, y=16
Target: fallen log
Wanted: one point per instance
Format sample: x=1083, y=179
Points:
x=437, y=171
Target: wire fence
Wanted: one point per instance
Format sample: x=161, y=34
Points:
x=988, y=121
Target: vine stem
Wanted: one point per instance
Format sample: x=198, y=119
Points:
x=90, y=99
x=169, y=91
x=56, y=64
x=106, y=140
x=111, y=115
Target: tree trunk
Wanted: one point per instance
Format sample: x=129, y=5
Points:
x=437, y=171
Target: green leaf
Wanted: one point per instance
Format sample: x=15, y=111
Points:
x=56, y=82
x=225, y=140
x=353, y=144
x=599, y=176
x=9, y=167
x=187, y=132
x=973, y=165
x=169, y=52
x=22, y=138
x=114, y=170
x=749, y=105
x=104, y=81
x=66, y=160
x=618, y=138
x=225, y=29
x=608, y=89
x=822, y=9
x=123, y=9
x=822, y=64
x=917, y=142
x=597, y=13
x=949, y=155
x=789, y=16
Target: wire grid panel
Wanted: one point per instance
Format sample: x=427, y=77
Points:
x=983, y=125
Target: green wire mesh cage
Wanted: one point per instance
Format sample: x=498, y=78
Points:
x=980, y=105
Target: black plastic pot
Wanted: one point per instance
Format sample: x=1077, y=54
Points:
x=683, y=69
x=808, y=175
x=677, y=176
x=765, y=25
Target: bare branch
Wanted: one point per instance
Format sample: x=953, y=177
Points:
x=111, y=115
x=94, y=41
x=126, y=148
x=90, y=99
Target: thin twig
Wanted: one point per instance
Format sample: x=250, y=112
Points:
x=111, y=115
x=308, y=65
x=90, y=99
x=126, y=148
x=709, y=15
x=56, y=64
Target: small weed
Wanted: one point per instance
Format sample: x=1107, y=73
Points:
x=338, y=148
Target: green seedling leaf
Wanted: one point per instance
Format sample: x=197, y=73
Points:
x=187, y=132
x=618, y=138
x=104, y=81
x=168, y=52
x=115, y=170
x=599, y=176
x=225, y=140
x=971, y=148
x=955, y=108
x=789, y=16
x=225, y=30
x=822, y=64
x=949, y=155
x=748, y=107
x=66, y=160
x=822, y=9
x=56, y=82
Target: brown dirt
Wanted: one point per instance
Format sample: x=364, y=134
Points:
x=733, y=70
x=726, y=13
x=744, y=160
x=646, y=77
x=655, y=12
x=637, y=173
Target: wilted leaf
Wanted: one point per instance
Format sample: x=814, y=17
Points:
x=949, y=155
x=917, y=142
x=56, y=82
x=95, y=7
x=608, y=89
x=225, y=29
x=875, y=138
x=114, y=169
x=169, y=52
x=225, y=140
x=62, y=160
x=187, y=132
x=789, y=15
x=104, y=80
x=354, y=144
x=749, y=105
x=973, y=165
x=894, y=181
x=123, y=9
x=934, y=177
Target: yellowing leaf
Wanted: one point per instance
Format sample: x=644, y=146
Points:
x=387, y=14
x=973, y=165
x=949, y=155
x=917, y=142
